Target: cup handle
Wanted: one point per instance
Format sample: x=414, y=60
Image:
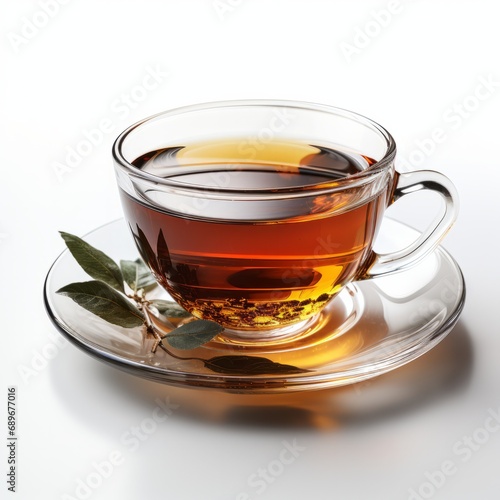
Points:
x=412, y=182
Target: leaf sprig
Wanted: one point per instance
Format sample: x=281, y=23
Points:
x=117, y=294
x=106, y=297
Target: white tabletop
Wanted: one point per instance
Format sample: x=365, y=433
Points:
x=427, y=70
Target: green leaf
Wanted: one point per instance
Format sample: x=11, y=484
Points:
x=249, y=365
x=137, y=275
x=94, y=262
x=129, y=272
x=170, y=309
x=194, y=334
x=105, y=302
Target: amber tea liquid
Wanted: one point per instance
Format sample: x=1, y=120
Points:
x=249, y=265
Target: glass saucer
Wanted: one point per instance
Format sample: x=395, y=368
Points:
x=369, y=328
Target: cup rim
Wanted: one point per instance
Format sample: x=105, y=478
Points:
x=351, y=180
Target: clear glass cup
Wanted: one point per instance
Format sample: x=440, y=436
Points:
x=255, y=214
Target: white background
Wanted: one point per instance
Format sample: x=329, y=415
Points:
x=377, y=441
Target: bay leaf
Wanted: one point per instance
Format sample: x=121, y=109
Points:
x=194, y=334
x=94, y=262
x=100, y=299
x=249, y=365
x=137, y=275
x=170, y=309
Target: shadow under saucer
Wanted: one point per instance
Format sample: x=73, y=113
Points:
x=434, y=376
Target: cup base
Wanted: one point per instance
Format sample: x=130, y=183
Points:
x=263, y=337
x=339, y=315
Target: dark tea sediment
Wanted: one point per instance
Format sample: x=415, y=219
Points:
x=242, y=265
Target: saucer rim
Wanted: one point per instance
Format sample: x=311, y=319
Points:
x=260, y=384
